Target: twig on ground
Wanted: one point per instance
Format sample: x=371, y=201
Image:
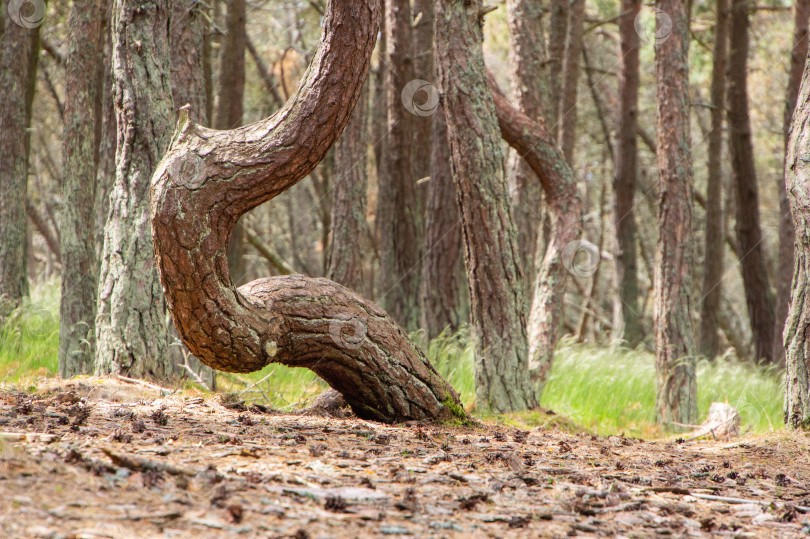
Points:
x=163, y=390
x=139, y=464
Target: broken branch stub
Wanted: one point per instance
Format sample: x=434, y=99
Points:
x=209, y=178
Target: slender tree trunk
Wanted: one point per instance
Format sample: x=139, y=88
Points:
x=208, y=179
x=80, y=141
x=674, y=339
x=557, y=32
x=715, y=244
x=18, y=76
x=230, y=96
x=348, y=245
x=784, y=275
x=130, y=330
x=532, y=140
x=749, y=234
x=570, y=80
x=422, y=127
x=797, y=326
x=398, y=214
x=527, y=56
x=442, y=272
x=105, y=177
x=626, y=315
x=490, y=237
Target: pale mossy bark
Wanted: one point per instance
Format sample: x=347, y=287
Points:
x=797, y=326
x=80, y=139
x=18, y=66
x=130, y=324
x=676, y=400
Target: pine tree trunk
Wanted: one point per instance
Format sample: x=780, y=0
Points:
x=570, y=80
x=533, y=141
x=557, y=32
x=674, y=340
x=18, y=67
x=749, y=234
x=784, y=275
x=398, y=214
x=208, y=179
x=527, y=58
x=715, y=241
x=423, y=68
x=83, y=83
x=626, y=313
x=348, y=245
x=105, y=176
x=230, y=97
x=442, y=268
x=130, y=325
x=488, y=227
x=797, y=326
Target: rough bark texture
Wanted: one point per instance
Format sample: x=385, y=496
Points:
x=715, y=245
x=130, y=325
x=749, y=234
x=797, y=326
x=490, y=237
x=83, y=84
x=348, y=244
x=442, y=271
x=557, y=31
x=230, y=98
x=208, y=179
x=784, y=273
x=674, y=339
x=567, y=126
x=105, y=177
x=187, y=42
x=18, y=66
x=398, y=215
x=537, y=147
x=527, y=56
x=423, y=68
x=626, y=315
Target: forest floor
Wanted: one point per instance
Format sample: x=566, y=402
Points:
x=104, y=458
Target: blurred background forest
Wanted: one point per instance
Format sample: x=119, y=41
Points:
x=602, y=378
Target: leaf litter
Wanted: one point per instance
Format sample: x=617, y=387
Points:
x=100, y=457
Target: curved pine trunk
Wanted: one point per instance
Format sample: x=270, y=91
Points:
x=209, y=178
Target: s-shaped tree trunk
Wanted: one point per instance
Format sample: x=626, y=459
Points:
x=209, y=178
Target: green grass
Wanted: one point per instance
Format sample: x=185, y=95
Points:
x=29, y=338
x=613, y=391
x=604, y=390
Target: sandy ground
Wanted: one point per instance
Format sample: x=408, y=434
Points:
x=112, y=459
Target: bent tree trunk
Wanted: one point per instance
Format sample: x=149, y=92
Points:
x=208, y=179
